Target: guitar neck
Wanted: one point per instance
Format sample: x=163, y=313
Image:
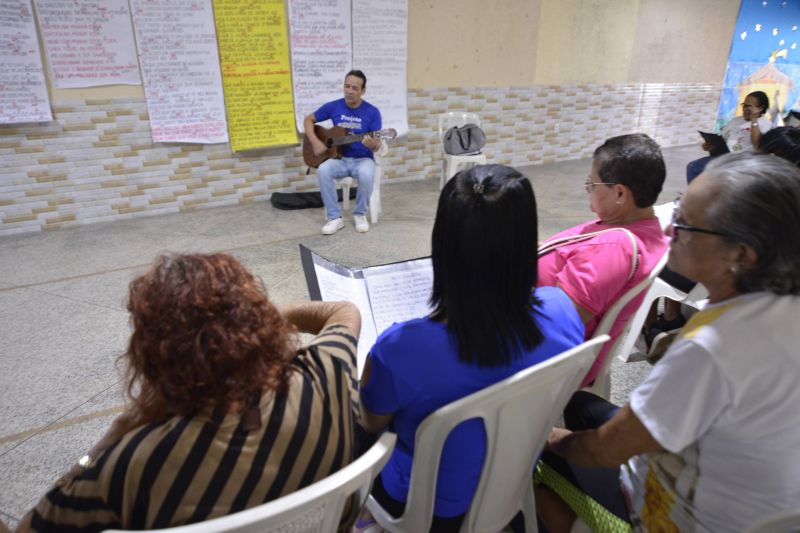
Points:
x=349, y=139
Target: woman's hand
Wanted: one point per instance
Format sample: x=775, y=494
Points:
x=610, y=445
x=707, y=146
x=371, y=422
x=555, y=438
x=313, y=317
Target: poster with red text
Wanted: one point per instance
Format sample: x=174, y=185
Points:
x=88, y=42
x=180, y=68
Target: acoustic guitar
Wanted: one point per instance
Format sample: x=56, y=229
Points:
x=334, y=138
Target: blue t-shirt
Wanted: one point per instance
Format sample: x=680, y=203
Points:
x=362, y=119
x=416, y=370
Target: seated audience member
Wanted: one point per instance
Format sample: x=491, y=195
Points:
x=487, y=323
x=710, y=441
x=783, y=142
x=227, y=410
x=596, y=263
x=741, y=133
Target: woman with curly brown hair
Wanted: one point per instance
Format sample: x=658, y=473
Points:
x=227, y=410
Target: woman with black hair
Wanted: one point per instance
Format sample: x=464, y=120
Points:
x=741, y=133
x=783, y=142
x=487, y=324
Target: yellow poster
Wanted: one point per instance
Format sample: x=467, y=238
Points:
x=256, y=76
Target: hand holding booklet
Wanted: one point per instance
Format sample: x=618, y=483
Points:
x=384, y=294
x=717, y=142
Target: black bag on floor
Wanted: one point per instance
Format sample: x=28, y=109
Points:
x=302, y=200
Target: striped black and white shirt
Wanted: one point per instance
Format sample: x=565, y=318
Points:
x=187, y=470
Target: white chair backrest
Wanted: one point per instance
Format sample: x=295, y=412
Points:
x=315, y=508
x=602, y=383
x=781, y=522
x=518, y=414
x=664, y=214
x=611, y=315
x=625, y=349
x=456, y=118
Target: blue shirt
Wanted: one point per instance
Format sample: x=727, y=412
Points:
x=416, y=370
x=363, y=119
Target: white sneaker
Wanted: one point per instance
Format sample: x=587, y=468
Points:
x=362, y=226
x=332, y=226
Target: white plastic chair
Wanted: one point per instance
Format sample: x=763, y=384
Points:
x=602, y=383
x=518, y=414
x=315, y=508
x=451, y=164
x=375, y=208
x=781, y=522
x=659, y=289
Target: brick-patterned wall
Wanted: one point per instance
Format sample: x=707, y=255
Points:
x=96, y=161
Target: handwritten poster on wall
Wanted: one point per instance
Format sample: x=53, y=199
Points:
x=23, y=92
x=380, y=49
x=254, y=54
x=180, y=66
x=322, y=53
x=88, y=43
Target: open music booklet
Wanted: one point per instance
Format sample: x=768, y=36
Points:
x=384, y=294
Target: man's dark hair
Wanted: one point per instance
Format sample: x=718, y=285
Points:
x=485, y=264
x=358, y=74
x=763, y=100
x=633, y=160
x=783, y=142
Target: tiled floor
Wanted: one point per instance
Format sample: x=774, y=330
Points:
x=63, y=323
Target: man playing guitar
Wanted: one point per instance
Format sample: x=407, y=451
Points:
x=357, y=116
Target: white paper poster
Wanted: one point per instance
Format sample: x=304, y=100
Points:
x=180, y=67
x=88, y=42
x=23, y=91
x=319, y=35
x=380, y=49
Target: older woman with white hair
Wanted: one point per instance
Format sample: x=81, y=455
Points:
x=710, y=441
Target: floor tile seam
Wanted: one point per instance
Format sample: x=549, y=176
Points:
x=412, y=218
x=287, y=277
x=36, y=284
x=61, y=424
x=545, y=184
x=120, y=309
x=4, y=514
x=143, y=265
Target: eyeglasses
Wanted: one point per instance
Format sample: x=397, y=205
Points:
x=589, y=185
x=676, y=226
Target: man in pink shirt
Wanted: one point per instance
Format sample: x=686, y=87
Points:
x=627, y=175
